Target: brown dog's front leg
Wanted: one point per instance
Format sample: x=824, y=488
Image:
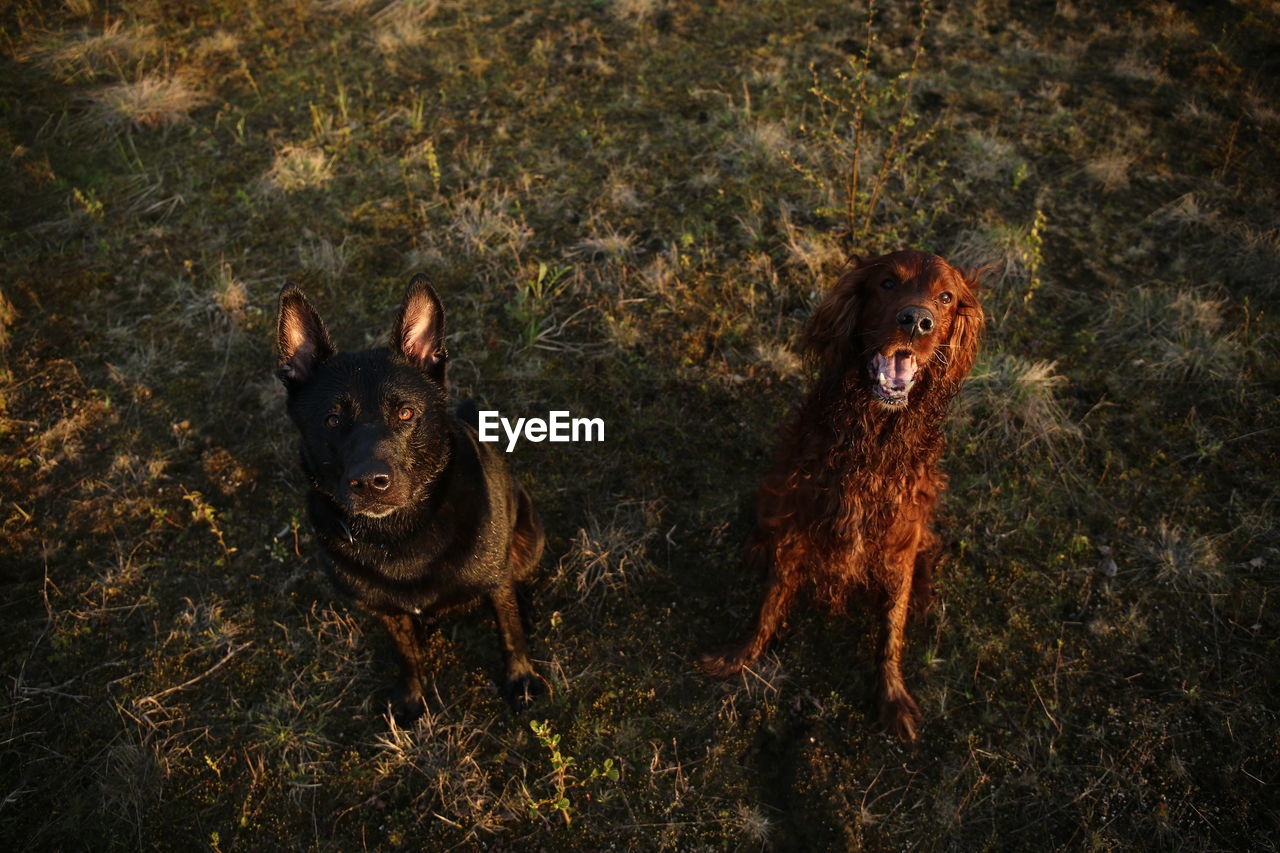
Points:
x=523, y=684
x=898, y=711
x=407, y=702
x=779, y=590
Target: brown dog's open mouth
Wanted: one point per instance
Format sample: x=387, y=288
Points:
x=892, y=377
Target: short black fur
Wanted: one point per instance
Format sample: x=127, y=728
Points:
x=416, y=517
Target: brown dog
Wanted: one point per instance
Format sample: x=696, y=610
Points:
x=847, y=504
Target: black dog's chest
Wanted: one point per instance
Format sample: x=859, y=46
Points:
x=413, y=588
x=439, y=567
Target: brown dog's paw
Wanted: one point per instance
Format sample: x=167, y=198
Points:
x=721, y=666
x=899, y=715
x=523, y=691
x=407, y=705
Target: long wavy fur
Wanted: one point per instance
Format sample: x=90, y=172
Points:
x=847, y=504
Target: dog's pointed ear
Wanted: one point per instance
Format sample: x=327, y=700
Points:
x=418, y=334
x=302, y=341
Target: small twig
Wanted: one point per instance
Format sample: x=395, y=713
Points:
x=1045, y=708
x=57, y=690
x=891, y=153
x=1182, y=459
x=1231, y=147
x=18, y=792
x=851, y=201
x=154, y=697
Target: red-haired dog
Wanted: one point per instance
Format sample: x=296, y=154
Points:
x=847, y=505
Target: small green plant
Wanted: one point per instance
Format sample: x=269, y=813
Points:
x=1018, y=251
x=321, y=121
x=561, y=778
x=201, y=510
x=89, y=203
x=1019, y=175
x=422, y=157
x=284, y=545
x=418, y=114
x=535, y=321
x=1033, y=254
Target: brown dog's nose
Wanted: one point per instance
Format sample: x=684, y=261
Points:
x=372, y=476
x=916, y=321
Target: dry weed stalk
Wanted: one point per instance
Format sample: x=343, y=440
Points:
x=846, y=111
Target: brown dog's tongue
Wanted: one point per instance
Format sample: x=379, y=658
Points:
x=900, y=370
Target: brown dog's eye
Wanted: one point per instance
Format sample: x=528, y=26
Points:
x=945, y=298
x=332, y=421
x=405, y=413
x=889, y=284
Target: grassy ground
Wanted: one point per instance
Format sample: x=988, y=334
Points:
x=604, y=193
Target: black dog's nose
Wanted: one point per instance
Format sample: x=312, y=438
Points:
x=916, y=321
x=374, y=476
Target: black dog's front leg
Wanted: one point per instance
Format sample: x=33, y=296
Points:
x=523, y=684
x=407, y=702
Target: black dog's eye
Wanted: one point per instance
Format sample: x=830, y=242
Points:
x=889, y=284
x=332, y=421
x=945, y=298
x=405, y=413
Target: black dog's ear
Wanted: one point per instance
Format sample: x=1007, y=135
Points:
x=301, y=338
x=418, y=334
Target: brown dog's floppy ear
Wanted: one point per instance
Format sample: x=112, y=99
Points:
x=302, y=341
x=418, y=334
x=966, y=327
x=834, y=323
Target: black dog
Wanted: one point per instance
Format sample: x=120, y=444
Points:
x=415, y=515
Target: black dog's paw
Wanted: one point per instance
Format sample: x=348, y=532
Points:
x=523, y=690
x=407, y=705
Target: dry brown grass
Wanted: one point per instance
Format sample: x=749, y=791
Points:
x=1176, y=333
x=820, y=255
x=609, y=555
x=402, y=24
x=298, y=167
x=609, y=243
x=110, y=52
x=1111, y=170
x=636, y=11
x=1017, y=400
x=322, y=255
x=217, y=43
x=151, y=102
x=1184, y=559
